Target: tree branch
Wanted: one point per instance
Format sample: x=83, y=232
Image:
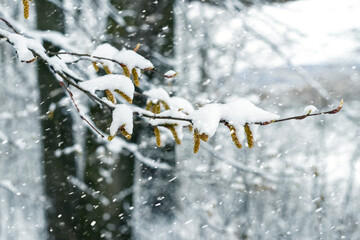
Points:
x=9, y=25
x=67, y=77
x=301, y=117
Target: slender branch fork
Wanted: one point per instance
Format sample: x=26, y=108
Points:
x=71, y=80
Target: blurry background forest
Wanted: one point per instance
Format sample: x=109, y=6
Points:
x=59, y=180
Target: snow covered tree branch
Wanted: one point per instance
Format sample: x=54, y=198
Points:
x=115, y=91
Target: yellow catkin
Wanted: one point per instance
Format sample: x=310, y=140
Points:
x=26, y=8
x=174, y=133
x=110, y=137
x=95, y=66
x=135, y=77
x=157, y=136
x=166, y=106
x=204, y=137
x=126, y=70
x=149, y=106
x=109, y=95
x=126, y=97
x=249, y=135
x=107, y=69
x=233, y=135
x=124, y=132
x=196, y=141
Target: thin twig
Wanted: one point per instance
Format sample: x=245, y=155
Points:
x=9, y=25
x=301, y=117
x=77, y=108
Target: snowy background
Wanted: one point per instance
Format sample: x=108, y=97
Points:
x=60, y=180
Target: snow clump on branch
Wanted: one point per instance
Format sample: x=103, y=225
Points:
x=122, y=117
x=113, y=83
x=235, y=115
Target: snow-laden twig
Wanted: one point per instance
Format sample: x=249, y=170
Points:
x=235, y=115
x=65, y=76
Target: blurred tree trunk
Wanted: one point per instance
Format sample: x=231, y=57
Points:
x=153, y=192
x=22, y=205
x=57, y=134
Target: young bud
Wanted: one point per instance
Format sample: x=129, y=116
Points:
x=135, y=77
x=110, y=96
x=249, y=135
x=137, y=47
x=126, y=97
x=157, y=136
x=196, y=141
x=148, y=69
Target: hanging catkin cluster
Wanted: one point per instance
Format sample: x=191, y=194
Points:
x=26, y=8
x=234, y=137
x=105, y=67
x=157, y=107
x=159, y=102
x=197, y=137
x=134, y=73
x=109, y=94
x=171, y=113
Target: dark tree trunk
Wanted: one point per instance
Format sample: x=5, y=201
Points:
x=57, y=134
